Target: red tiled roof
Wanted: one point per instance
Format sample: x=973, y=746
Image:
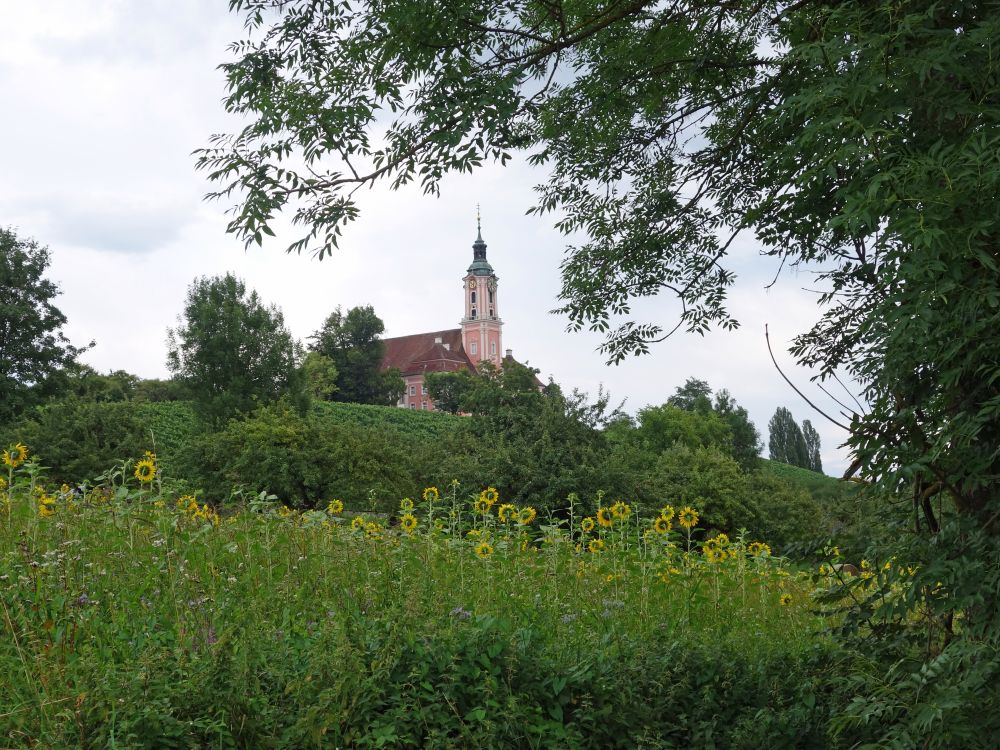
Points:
x=421, y=352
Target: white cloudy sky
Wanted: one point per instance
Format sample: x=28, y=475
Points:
x=102, y=103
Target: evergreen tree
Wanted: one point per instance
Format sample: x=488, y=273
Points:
x=746, y=438
x=815, y=462
x=36, y=359
x=233, y=352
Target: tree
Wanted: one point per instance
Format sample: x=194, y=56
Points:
x=233, y=352
x=786, y=442
x=815, y=461
x=856, y=140
x=352, y=342
x=320, y=375
x=35, y=356
x=694, y=395
x=746, y=439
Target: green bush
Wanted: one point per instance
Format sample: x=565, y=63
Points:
x=306, y=461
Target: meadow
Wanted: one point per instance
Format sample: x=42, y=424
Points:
x=135, y=617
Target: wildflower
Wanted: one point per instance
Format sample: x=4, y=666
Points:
x=621, y=510
x=145, y=469
x=506, y=512
x=335, y=507
x=662, y=525
x=15, y=455
x=688, y=517
x=489, y=496
x=406, y=504
x=408, y=522
x=484, y=550
x=595, y=545
x=431, y=495
x=785, y=600
x=667, y=511
x=587, y=525
x=604, y=518
x=526, y=515
x=358, y=523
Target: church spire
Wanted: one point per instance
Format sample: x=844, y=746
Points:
x=480, y=266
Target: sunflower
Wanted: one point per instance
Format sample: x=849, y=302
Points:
x=713, y=554
x=667, y=511
x=489, y=495
x=722, y=540
x=46, y=506
x=595, y=545
x=481, y=506
x=335, y=507
x=431, y=495
x=484, y=550
x=408, y=522
x=526, y=515
x=187, y=503
x=358, y=523
x=587, y=525
x=758, y=549
x=785, y=600
x=145, y=470
x=662, y=525
x=621, y=510
x=439, y=524
x=472, y=532
x=604, y=518
x=373, y=529
x=15, y=455
x=406, y=505
x=688, y=517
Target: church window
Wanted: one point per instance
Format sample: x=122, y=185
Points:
x=473, y=299
x=473, y=347
x=491, y=297
x=492, y=314
x=473, y=316
x=493, y=347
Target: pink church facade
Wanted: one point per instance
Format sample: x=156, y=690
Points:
x=478, y=339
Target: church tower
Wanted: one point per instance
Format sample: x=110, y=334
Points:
x=481, y=323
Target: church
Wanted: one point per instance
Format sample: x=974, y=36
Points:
x=477, y=340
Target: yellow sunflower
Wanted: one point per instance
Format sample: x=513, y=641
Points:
x=472, y=532
x=145, y=470
x=373, y=529
x=713, y=554
x=785, y=600
x=604, y=518
x=484, y=550
x=621, y=510
x=595, y=545
x=667, y=511
x=758, y=549
x=46, y=506
x=187, y=503
x=15, y=455
x=406, y=505
x=526, y=515
x=481, y=506
x=587, y=525
x=358, y=523
x=335, y=507
x=408, y=522
x=722, y=540
x=506, y=512
x=489, y=496
x=688, y=517
x=662, y=525
x=431, y=495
